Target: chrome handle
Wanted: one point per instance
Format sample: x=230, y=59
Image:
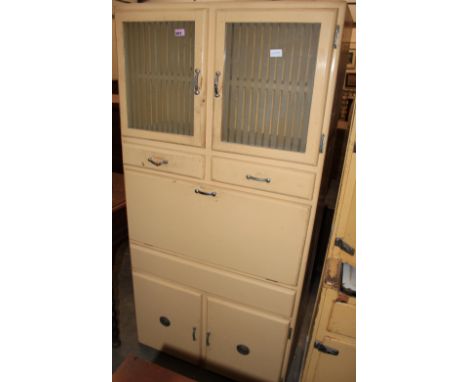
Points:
x=208, y=338
x=251, y=177
x=194, y=333
x=196, y=87
x=158, y=163
x=216, y=84
x=198, y=191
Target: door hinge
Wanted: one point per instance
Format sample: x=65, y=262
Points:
x=325, y=349
x=337, y=33
x=340, y=243
x=289, y=333
x=322, y=140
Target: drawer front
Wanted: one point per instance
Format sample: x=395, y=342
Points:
x=162, y=160
x=343, y=319
x=264, y=177
x=256, y=235
x=270, y=298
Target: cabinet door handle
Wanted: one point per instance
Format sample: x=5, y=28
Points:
x=325, y=349
x=196, y=86
x=216, y=84
x=208, y=334
x=194, y=331
x=251, y=177
x=198, y=191
x=343, y=245
x=158, y=162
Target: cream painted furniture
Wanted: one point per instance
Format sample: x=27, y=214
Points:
x=226, y=110
x=332, y=349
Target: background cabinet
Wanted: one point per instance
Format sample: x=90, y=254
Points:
x=226, y=109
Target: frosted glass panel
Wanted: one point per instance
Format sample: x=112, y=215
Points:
x=268, y=84
x=159, y=59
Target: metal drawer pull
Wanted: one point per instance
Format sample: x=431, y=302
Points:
x=194, y=331
x=196, y=87
x=251, y=177
x=325, y=349
x=198, y=191
x=158, y=162
x=243, y=349
x=208, y=338
x=216, y=84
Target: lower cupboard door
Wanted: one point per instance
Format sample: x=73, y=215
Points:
x=336, y=368
x=244, y=343
x=168, y=317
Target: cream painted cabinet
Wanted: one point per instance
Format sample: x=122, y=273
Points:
x=226, y=107
x=331, y=353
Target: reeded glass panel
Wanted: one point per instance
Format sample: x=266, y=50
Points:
x=159, y=59
x=268, y=83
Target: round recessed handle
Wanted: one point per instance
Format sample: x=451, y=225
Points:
x=243, y=349
x=164, y=321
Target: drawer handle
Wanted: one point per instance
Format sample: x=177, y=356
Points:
x=243, y=349
x=194, y=331
x=196, y=87
x=251, y=177
x=325, y=349
x=158, y=162
x=164, y=321
x=208, y=334
x=216, y=84
x=198, y=191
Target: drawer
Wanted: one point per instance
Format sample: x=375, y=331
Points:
x=263, y=177
x=162, y=160
x=236, y=230
x=343, y=319
x=270, y=298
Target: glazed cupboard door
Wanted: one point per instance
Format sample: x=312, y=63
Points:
x=271, y=76
x=162, y=75
x=243, y=342
x=168, y=316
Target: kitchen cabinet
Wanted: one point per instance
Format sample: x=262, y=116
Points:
x=226, y=110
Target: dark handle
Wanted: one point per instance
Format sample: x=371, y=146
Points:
x=194, y=331
x=251, y=177
x=243, y=349
x=164, y=321
x=340, y=243
x=325, y=349
x=158, y=163
x=216, y=84
x=198, y=191
x=208, y=334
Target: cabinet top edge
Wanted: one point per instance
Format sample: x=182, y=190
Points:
x=238, y=4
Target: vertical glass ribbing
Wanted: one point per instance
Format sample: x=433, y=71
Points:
x=267, y=99
x=159, y=60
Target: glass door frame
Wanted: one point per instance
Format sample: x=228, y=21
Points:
x=200, y=17
x=327, y=18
